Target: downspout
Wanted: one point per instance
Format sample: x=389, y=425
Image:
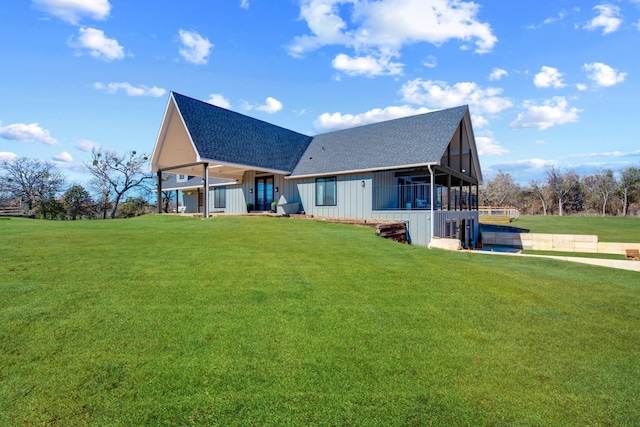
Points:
x=431, y=191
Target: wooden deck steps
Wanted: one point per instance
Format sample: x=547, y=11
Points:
x=396, y=231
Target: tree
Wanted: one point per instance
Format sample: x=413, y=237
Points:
x=540, y=191
x=500, y=191
x=118, y=172
x=564, y=187
x=103, y=196
x=600, y=187
x=134, y=206
x=166, y=200
x=78, y=202
x=36, y=182
x=629, y=186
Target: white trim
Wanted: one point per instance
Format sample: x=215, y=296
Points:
x=161, y=131
x=220, y=163
x=192, y=187
x=164, y=129
x=382, y=168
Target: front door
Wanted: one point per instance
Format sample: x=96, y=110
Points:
x=264, y=193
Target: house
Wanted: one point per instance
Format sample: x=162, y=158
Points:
x=422, y=169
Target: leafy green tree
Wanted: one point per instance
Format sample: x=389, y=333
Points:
x=78, y=202
x=134, y=206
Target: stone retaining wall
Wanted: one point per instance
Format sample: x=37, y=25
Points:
x=556, y=242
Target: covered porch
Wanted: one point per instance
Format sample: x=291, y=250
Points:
x=222, y=148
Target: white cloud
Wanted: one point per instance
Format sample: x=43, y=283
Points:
x=379, y=29
x=608, y=18
x=552, y=19
x=98, y=44
x=27, y=132
x=603, y=75
x=430, y=62
x=271, y=106
x=219, y=100
x=497, y=74
x=487, y=146
x=87, y=146
x=438, y=94
x=333, y=121
x=479, y=121
x=130, y=90
x=582, y=87
x=244, y=4
x=615, y=154
x=548, y=77
x=63, y=157
x=369, y=65
x=526, y=164
x=552, y=112
x=195, y=48
x=72, y=10
x=7, y=155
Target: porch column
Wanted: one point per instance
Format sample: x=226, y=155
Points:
x=448, y=191
x=205, y=196
x=431, y=190
x=177, y=202
x=159, y=191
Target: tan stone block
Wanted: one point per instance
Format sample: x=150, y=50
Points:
x=588, y=247
x=586, y=238
x=563, y=238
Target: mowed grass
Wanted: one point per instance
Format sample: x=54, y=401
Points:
x=273, y=321
x=608, y=229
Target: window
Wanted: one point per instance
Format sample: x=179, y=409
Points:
x=181, y=178
x=326, y=191
x=220, y=197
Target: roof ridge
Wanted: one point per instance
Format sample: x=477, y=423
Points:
x=226, y=110
x=442, y=110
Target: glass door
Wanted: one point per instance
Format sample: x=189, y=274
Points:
x=264, y=193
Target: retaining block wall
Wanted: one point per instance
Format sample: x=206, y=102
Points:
x=556, y=242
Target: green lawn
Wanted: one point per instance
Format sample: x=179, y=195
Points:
x=274, y=321
x=608, y=229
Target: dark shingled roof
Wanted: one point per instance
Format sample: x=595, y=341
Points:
x=230, y=137
x=420, y=139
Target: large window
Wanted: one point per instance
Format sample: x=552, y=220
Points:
x=326, y=191
x=220, y=197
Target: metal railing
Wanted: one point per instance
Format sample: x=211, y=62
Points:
x=418, y=197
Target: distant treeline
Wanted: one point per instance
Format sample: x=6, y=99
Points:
x=566, y=192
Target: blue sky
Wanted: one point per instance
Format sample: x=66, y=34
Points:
x=549, y=83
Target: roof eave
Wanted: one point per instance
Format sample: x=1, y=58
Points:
x=366, y=170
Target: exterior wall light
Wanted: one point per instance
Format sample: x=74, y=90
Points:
x=276, y=189
x=362, y=183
